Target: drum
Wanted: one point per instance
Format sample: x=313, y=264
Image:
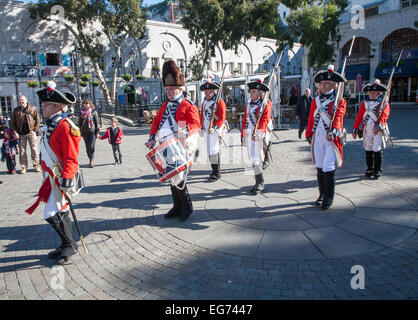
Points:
x=168, y=159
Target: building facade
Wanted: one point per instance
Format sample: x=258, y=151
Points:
x=43, y=50
x=382, y=29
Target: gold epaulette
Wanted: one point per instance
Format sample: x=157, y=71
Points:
x=75, y=131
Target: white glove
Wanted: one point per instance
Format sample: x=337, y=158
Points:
x=259, y=135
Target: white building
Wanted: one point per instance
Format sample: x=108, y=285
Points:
x=382, y=29
x=23, y=41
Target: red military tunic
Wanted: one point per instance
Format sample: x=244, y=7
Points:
x=337, y=123
x=264, y=120
x=64, y=142
x=186, y=113
x=361, y=113
x=220, y=114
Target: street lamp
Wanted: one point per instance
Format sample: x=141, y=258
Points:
x=39, y=68
x=132, y=56
x=76, y=55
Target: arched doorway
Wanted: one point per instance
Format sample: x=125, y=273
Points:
x=404, y=85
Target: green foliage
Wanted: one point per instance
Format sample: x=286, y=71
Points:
x=85, y=77
x=96, y=83
x=83, y=83
x=312, y=23
x=127, y=77
x=68, y=78
x=196, y=66
x=44, y=83
x=141, y=78
x=33, y=83
x=227, y=22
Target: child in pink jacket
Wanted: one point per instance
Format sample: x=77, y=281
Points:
x=114, y=135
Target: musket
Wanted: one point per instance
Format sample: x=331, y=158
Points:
x=340, y=89
x=389, y=85
x=266, y=96
x=218, y=97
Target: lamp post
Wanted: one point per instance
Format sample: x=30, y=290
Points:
x=39, y=68
x=132, y=56
x=76, y=55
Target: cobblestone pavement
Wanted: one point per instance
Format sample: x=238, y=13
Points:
x=233, y=246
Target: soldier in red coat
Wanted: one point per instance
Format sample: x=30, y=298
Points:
x=177, y=117
x=59, y=152
x=258, y=141
x=372, y=117
x=213, y=133
x=325, y=132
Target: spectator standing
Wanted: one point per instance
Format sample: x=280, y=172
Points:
x=88, y=122
x=303, y=107
x=25, y=121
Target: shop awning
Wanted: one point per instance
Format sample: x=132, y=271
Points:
x=352, y=71
x=406, y=68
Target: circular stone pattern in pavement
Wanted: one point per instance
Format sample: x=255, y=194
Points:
x=283, y=223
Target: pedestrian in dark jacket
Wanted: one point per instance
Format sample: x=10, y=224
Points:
x=88, y=122
x=9, y=150
x=114, y=135
x=303, y=107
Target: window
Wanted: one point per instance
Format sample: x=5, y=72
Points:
x=218, y=66
x=155, y=62
x=248, y=68
x=52, y=59
x=119, y=64
x=408, y=3
x=180, y=63
x=31, y=58
x=240, y=68
x=6, y=107
x=371, y=11
x=231, y=67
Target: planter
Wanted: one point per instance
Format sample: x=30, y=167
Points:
x=96, y=83
x=33, y=83
x=141, y=78
x=127, y=77
x=44, y=83
x=83, y=83
x=85, y=77
x=68, y=78
x=155, y=68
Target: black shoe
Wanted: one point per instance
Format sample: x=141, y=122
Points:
x=377, y=174
x=368, y=173
x=300, y=135
x=318, y=201
x=171, y=214
x=259, y=184
x=266, y=163
x=215, y=175
x=55, y=253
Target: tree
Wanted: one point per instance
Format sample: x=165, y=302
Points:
x=94, y=21
x=313, y=24
x=226, y=22
x=196, y=66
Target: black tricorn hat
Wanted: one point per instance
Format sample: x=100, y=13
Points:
x=210, y=85
x=50, y=94
x=376, y=86
x=257, y=84
x=329, y=75
x=172, y=75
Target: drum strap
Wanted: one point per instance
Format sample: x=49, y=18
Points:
x=173, y=123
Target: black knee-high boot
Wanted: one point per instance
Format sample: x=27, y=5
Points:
x=378, y=160
x=186, y=204
x=321, y=186
x=62, y=224
x=259, y=184
x=267, y=159
x=216, y=167
x=329, y=190
x=176, y=210
x=369, y=163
